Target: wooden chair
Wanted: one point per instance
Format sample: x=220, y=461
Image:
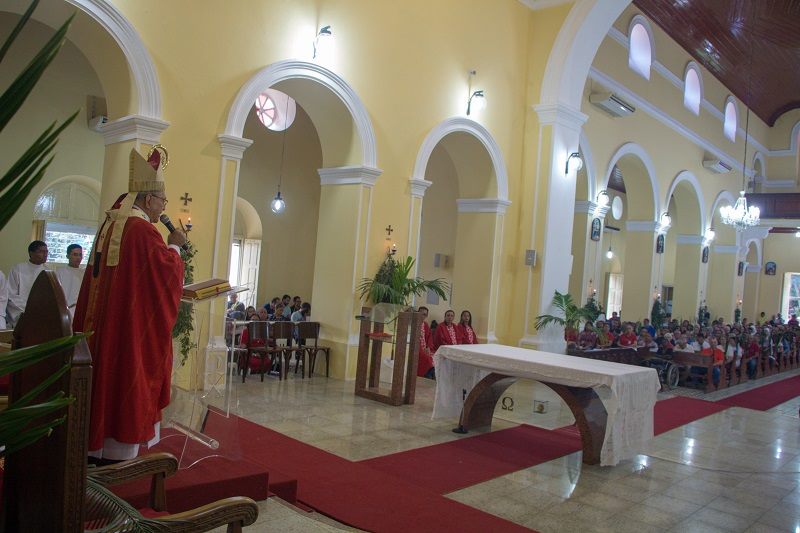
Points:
x=309, y=332
x=258, y=346
x=45, y=485
x=281, y=335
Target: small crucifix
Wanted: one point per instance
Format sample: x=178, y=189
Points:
x=186, y=199
x=389, y=231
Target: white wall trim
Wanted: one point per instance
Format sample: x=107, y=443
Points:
x=690, y=239
x=644, y=157
x=775, y=184
x=294, y=69
x=643, y=226
x=465, y=125
x=233, y=147
x=726, y=249
x=754, y=269
x=563, y=115
x=585, y=207
x=417, y=187
x=665, y=118
x=588, y=165
x=349, y=176
x=143, y=70
x=482, y=205
x=536, y=5
x=691, y=179
x=133, y=127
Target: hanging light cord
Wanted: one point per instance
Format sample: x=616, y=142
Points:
x=283, y=147
x=747, y=104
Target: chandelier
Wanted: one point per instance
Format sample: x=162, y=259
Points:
x=740, y=216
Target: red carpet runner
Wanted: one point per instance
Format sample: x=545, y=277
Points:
x=454, y=465
x=353, y=493
x=679, y=411
x=766, y=397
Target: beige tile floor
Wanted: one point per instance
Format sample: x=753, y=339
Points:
x=738, y=470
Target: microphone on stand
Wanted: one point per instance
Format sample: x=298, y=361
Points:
x=170, y=227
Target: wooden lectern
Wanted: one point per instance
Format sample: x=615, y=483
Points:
x=404, y=343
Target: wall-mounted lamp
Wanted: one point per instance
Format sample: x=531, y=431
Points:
x=574, y=166
x=709, y=235
x=188, y=226
x=666, y=220
x=603, y=199
x=480, y=101
x=797, y=234
x=323, y=33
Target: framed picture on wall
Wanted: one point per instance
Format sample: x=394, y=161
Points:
x=705, y=254
x=596, y=229
x=770, y=268
x=660, y=244
x=740, y=271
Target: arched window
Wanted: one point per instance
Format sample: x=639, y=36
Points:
x=731, y=118
x=640, y=53
x=692, y=88
x=68, y=212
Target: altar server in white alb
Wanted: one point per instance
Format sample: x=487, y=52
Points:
x=3, y=299
x=21, y=278
x=71, y=275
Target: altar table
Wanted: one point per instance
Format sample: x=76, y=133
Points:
x=471, y=378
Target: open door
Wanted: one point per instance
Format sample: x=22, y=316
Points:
x=251, y=255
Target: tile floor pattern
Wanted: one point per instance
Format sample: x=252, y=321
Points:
x=738, y=470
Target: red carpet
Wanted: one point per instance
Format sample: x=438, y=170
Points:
x=679, y=411
x=766, y=397
x=353, y=493
x=461, y=463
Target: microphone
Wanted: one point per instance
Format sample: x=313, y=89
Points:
x=170, y=227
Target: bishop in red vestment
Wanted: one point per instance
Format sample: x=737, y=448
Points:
x=129, y=300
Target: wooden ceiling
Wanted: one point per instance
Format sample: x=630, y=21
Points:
x=734, y=38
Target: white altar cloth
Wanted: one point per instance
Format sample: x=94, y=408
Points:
x=634, y=389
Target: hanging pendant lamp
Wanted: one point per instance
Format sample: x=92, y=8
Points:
x=278, y=204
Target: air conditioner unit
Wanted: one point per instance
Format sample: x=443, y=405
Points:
x=717, y=166
x=96, y=122
x=612, y=104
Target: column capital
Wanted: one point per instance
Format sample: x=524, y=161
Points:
x=690, y=239
x=133, y=128
x=591, y=208
x=233, y=147
x=482, y=205
x=355, y=175
x=643, y=226
x=755, y=269
x=560, y=114
x=418, y=186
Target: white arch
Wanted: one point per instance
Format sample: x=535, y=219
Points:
x=574, y=49
x=90, y=183
x=252, y=222
x=142, y=68
x=588, y=164
x=294, y=69
x=691, y=179
x=758, y=243
x=465, y=125
x=634, y=149
x=794, y=137
x=724, y=195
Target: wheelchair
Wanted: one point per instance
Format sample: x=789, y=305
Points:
x=668, y=372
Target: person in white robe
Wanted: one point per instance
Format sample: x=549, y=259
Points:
x=21, y=278
x=3, y=299
x=71, y=275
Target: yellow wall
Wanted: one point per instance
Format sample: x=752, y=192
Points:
x=61, y=91
x=288, y=244
x=784, y=250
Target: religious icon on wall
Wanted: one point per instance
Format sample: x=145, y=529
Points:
x=596, y=229
x=660, y=244
x=740, y=271
x=705, y=254
x=770, y=268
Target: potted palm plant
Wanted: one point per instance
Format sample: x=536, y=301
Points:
x=24, y=422
x=394, y=284
x=569, y=318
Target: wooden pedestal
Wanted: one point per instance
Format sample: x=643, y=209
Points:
x=404, y=358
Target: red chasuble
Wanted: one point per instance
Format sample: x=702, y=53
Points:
x=444, y=335
x=425, y=354
x=131, y=308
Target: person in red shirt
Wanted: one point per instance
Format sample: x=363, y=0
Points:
x=628, y=339
x=425, y=365
x=719, y=357
x=466, y=335
x=446, y=333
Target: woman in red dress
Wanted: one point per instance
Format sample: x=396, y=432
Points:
x=466, y=335
x=446, y=333
x=425, y=364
